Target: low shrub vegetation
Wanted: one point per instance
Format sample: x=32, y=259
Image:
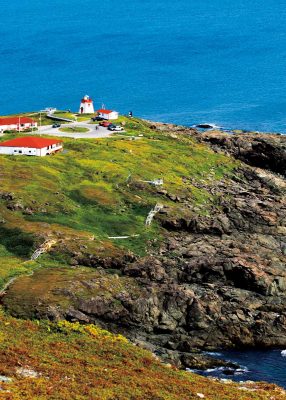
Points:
x=69, y=361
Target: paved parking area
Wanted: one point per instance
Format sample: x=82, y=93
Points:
x=93, y=133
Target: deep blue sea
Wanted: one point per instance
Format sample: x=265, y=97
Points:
x=255, y=365
x=186, y=61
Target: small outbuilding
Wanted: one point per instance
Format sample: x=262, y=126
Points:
x=31, y=146
x=107, y=114
x=16, y=124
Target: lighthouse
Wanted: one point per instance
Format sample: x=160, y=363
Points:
x=86, y=106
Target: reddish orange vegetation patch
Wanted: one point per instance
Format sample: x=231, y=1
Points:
x=100, y=195
x=69, y=361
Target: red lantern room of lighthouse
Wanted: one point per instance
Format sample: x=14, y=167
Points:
x=86, y=106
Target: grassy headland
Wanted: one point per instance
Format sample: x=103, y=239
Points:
x=95, y=190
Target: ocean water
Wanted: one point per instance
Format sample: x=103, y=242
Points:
x=255, y=365
x=187, y=61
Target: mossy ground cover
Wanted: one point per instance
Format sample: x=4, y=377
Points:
x=74, y=129
x=15, y=248
x=64, y=287
x=97, y=188
x=65, y=361
x=84, y=117
x=12, y=266
x=65, y=114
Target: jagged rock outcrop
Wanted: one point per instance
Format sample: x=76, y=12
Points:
x=259, y=150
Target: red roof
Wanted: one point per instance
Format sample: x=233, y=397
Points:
x=86, y=100
x=102, y=111
x=15, y=120
x=33, y=142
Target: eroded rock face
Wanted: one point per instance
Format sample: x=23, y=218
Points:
x=259, y=150
x=217, y=281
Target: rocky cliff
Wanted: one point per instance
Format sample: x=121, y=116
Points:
x=216, y=280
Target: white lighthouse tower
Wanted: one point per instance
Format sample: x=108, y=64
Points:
x=86, y=106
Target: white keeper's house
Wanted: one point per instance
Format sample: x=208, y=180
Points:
x=31, y=146
x=16, y=124
x=107, y=114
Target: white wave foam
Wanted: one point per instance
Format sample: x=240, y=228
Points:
x=207, y=126
x=215, y=369
x=283, y=353
x=241, y=371
x=213, y=353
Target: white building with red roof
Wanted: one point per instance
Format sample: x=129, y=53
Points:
x=107, y=114
x=86, y=106
x=31, y=146
x=16, y=123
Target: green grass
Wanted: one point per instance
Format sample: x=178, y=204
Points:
x=15, y=248
x=74, y=129
x=64, y=114
x=84, y=117
x=98, y=176
x=96, y=188
x=12, y=266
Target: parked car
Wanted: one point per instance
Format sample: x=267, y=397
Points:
x=116, y=128
x=105, y=123
x=97, y=119
x=56, y=126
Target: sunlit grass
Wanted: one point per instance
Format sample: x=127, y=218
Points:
x=97, y=187
x=73, y=361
